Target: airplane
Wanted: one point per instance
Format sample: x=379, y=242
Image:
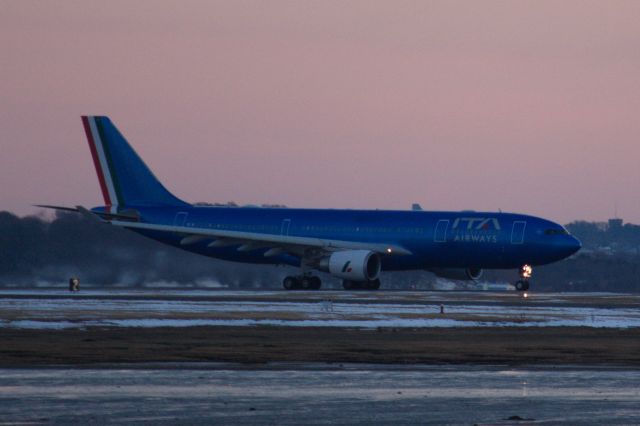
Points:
x=352, y=245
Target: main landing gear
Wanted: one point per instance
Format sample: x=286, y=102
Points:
x=360, y=285
x=525, y=273
x=304, y=282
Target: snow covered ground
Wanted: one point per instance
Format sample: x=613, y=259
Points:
x=57, y=310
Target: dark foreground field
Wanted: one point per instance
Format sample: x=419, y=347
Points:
x=536, y=345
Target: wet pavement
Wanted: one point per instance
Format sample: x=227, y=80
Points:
x=319, y=394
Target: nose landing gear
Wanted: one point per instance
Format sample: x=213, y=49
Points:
x=525, y=273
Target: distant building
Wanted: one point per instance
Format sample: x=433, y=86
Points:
x=601, y=226
x=615, y=223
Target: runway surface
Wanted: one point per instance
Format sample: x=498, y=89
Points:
x=318, y=394
x=275, y=357
x=57, y=309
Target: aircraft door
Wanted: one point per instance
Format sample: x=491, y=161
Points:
x=284, y=229
x=440, y=234
x=517, y=232
x=180, y=219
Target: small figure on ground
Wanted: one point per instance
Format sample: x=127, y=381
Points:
x=74, y=284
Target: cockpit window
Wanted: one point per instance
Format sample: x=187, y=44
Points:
x=556, y=231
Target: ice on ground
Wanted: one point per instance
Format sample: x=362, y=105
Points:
x=327, y=309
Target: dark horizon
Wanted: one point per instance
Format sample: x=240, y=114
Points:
x=49, y=249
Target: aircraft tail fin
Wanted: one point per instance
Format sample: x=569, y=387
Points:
x=125, y=180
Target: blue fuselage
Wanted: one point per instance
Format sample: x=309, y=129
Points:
x=486, y=240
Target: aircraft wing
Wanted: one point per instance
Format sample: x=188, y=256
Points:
x=248, y=241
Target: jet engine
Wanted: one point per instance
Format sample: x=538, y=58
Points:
x=354, y=265
x=468, y=274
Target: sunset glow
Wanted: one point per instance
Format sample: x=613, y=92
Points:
x=531, y=107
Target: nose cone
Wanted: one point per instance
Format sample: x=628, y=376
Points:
x=569, y=245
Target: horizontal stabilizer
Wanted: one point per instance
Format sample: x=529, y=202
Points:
x=130, y=214
x=61, y=208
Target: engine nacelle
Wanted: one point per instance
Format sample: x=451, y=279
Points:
x=354, y=265
x=469, y=274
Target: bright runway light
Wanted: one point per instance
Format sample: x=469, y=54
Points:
x=525, y=295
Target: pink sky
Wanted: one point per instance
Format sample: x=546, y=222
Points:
x=526, y=106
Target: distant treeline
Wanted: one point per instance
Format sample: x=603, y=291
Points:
x=35, y=250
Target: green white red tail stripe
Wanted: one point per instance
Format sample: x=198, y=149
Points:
x=100, y=154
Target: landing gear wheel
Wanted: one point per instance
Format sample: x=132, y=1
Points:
x=305, y=283
x=289, y=283
x=301, y=283
x=522, y=285
x=348, y=284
